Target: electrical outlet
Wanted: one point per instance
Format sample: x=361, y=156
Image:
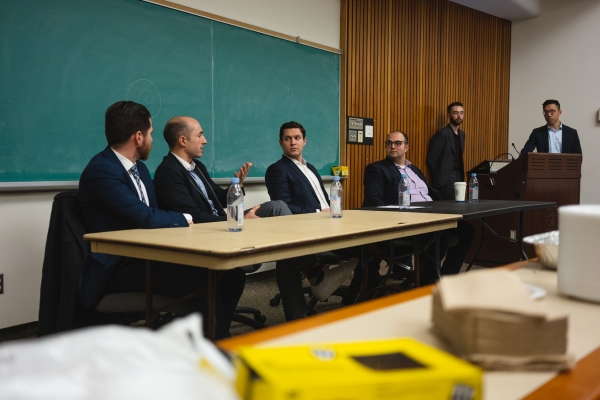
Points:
x=513, y=234
x=1, y=283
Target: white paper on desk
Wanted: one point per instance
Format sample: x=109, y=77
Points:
x=405, y=208
x=498, y=289
x=115, y=362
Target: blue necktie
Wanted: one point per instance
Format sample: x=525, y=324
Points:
x=203, y=189
x=136, y=175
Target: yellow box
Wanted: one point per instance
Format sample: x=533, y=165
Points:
x=340, y=170
x=377, y=370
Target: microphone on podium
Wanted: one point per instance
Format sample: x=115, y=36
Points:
x=513, y=145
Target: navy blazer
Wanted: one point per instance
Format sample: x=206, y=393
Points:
x=287, y=183
x=441, y=155
x=381, y=183
x=177, y=191
x=109, y=202
x=539, y=139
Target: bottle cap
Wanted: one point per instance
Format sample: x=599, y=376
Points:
x=235, y=180
x=336, y=178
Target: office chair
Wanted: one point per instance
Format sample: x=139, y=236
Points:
x=258, y=319
x=324, y=258
x=400, y=267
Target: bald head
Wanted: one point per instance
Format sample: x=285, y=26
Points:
x=179, y=126
x=397, y=132
x=185, y=137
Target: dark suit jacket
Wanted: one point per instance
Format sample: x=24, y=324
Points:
x=177, y=191
x=539, y=139
x=64, y=258
x=441, y=155
x=287, y=183
x=109, y=202
x=381, y=183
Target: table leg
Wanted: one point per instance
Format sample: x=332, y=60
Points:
x=416, y=262
x=149, y=297
x=521, y=227
x=211, y=297
x=438, y=269
x=480, y=245
x=365, y=272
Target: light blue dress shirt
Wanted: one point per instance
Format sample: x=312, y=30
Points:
x=555, y=140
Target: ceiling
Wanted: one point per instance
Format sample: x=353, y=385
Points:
x=512, y=10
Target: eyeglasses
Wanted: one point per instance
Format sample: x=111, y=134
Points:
x=549, y=112
x=397, y=143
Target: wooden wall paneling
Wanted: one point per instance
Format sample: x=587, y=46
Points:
x=406, y=60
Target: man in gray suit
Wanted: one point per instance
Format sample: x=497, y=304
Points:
x=445, y=155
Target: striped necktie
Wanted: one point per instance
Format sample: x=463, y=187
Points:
x=136, y=175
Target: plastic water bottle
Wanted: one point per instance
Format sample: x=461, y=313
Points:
x=336, y=199
x=403, y=192
x=473, y=189
x=235, y=206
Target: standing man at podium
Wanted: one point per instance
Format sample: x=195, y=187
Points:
x=445, y=155
x=554, y=137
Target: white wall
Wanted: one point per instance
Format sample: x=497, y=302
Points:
x=25, y=219
x=554, y=56
x=314, y=20
x=25, y=216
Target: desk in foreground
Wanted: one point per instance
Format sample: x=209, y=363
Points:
x=408, y=314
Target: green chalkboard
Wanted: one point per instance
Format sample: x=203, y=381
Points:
x=63, y=62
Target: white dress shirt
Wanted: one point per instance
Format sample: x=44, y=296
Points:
x=314, y=182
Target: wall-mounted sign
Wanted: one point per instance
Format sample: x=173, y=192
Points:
x=359, y=130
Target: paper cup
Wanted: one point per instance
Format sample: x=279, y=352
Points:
x=459, y=191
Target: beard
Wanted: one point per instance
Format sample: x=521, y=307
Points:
x=144, y=151
x=455, y=122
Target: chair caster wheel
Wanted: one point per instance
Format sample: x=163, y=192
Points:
x=274, y=302
x=261, y=318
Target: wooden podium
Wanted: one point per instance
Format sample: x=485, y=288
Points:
x=533, y=176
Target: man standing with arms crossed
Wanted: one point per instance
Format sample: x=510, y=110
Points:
x=445, y=156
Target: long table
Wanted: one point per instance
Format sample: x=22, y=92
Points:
x=211, y=246
x=408, y=314
x=479, y=210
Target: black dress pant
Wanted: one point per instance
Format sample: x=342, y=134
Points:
x=176, y=280
x=289, y=280
x=447, y=191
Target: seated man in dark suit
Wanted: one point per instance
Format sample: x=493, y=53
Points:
x=183, y=184
x=554, y=137
x=381, y=188
x=116, y=193
x=299, y=185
